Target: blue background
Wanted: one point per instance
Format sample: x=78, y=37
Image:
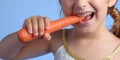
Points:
x=14, y=12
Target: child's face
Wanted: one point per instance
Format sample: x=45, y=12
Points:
x=94, y=10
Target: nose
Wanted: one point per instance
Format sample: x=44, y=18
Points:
x=80, y=4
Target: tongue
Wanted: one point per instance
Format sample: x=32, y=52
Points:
x=86, y=18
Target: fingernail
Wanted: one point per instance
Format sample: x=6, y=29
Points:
x=41, y=33
x=47, y=27
x=36, y=34
x=30, y=31
x=46, y=36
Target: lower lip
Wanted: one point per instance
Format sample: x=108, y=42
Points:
x=86, y=21
x=87, y=18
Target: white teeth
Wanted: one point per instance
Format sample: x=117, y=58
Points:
x=86, y=14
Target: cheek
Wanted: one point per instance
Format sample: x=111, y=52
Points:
x=100, y=7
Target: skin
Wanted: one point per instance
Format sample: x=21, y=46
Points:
x=85, y=39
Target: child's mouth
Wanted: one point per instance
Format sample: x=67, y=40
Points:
x=88, y=17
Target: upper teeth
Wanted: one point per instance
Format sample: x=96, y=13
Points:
x=86, y=14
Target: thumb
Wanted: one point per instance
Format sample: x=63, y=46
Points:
x=47, y=36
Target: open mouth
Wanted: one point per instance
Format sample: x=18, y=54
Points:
x=88, y=16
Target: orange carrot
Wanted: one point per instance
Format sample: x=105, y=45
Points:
x=54, y=26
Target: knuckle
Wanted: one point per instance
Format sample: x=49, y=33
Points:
x=32, y=17
x=46, y=18
x=28, y=21
x=40, y=18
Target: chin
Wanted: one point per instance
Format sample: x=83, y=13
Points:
x=86, y=30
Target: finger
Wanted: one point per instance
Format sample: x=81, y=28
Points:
x=47, y=22
x=41, y=25
x=35, y=26
x=28, y=24
x=47, y=36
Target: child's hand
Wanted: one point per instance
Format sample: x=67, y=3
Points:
x=36, y=26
